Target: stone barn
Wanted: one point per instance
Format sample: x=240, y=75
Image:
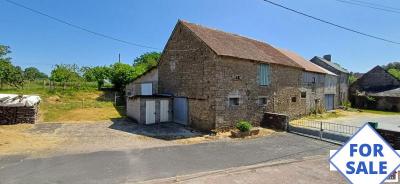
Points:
x=376, y=89
x=16, y=109
x=213, y=79
x=220, y=78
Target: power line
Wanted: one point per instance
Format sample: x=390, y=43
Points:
x=79, y=27
x=332, y=24
x=375, y=4
x=368, y=6
x=91, y=31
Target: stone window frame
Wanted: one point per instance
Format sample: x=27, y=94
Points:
x=262, y=104
x=294, y=99
x=303, y=94
x=236, y=98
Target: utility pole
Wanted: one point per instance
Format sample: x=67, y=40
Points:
x=119, y=58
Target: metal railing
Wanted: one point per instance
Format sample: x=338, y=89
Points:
x=326, y=126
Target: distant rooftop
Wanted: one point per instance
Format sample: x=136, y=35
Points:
x=307, y=65
x=333, y=65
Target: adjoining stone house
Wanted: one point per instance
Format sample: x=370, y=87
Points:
x=376, y=89
x=318, y=84
x=342, y=86
x=216, y=79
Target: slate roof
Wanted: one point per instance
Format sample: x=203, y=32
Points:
x=332, y=64
x=307, y=65
x=228, y=44
x=389, y=93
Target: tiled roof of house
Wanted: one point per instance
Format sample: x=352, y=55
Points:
x=307, y=65
x=227, y=44
x=332, y=64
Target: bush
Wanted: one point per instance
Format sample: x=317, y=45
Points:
x=244, y=126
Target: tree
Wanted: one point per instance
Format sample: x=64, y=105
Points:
x=32, y=73
x=121, y=75
x=150, y=59
x=98, y=74
x=352, y=78
x=395, y=72
x=64, y=73
x=394, y=65
x=9, y=74
x=145, y=62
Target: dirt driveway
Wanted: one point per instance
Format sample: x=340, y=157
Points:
x=51, y=139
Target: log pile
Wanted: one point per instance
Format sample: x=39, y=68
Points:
x=15, y=115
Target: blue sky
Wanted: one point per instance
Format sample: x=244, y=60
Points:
x=41, y=42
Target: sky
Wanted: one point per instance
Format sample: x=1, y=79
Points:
x=41, y=42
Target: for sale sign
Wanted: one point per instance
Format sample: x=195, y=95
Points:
x=366, y=158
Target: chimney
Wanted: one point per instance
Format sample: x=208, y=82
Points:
x=328, y=57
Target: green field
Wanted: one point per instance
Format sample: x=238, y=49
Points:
x=78, y=102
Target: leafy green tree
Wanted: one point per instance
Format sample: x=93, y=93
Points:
x=15, y=77
x=64, y=73
x=121, y=75
x=352, y=78
x=9, y=74
x=98, y=74
x=150, y=59
x=33, y=73
x=394, y=65
x=145, y=62
x=395, y=72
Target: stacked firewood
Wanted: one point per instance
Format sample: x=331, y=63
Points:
x=15, y=115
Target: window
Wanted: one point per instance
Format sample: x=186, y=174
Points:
x=233, y=101
x=237, y=77
x=294, y=99
x=303, y=94
x=263, y=75
x=146, y=88
x=262, y=101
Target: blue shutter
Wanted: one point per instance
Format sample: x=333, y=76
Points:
x=264, y=79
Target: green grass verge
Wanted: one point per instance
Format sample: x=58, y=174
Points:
x=71, y=104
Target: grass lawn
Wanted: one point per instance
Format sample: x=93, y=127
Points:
x=86, y=104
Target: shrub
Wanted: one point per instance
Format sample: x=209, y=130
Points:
x=244, y=126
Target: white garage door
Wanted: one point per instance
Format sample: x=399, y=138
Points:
x=150, y=112
x=164, y=109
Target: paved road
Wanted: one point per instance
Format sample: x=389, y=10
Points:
x=145, y=164
x=314, y=170
x=388, y=122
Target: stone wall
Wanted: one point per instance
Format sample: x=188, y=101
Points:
x=379, y=103
x=239, y=78
x=275, y=121
x=187, y=68
x=315, y=91
x=391, y=137
x=15, y=115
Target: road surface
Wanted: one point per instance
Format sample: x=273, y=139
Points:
x=145, y=164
